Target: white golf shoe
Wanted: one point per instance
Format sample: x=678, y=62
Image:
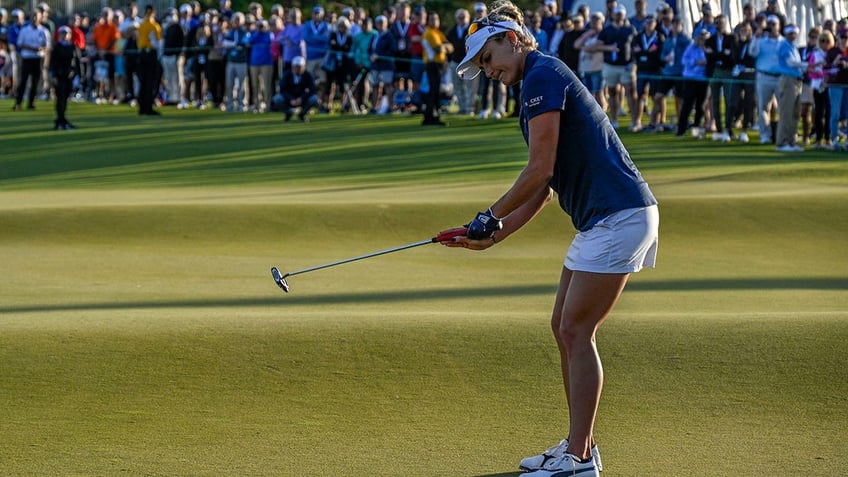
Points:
x=566, y=465
x=538, y=462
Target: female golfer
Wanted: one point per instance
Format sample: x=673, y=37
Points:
x=575, y=152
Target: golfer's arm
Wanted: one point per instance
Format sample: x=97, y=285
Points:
x=533, y=180
x=524, y=214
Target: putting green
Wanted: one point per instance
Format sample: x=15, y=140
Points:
x=141, y=332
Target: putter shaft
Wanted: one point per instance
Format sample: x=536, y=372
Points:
x=361, y=257
x=444, y=236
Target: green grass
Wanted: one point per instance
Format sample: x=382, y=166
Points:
x=141, y=333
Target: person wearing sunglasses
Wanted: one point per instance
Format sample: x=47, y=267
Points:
x=576, y=153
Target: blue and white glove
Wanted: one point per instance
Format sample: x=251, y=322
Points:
x=484, y=226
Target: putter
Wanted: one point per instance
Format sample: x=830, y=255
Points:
x=281, y=279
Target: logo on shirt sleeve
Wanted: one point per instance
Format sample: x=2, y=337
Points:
x=534, y=101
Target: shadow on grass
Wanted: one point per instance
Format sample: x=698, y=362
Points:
x=280, y=299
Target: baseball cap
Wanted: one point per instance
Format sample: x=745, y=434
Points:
x=479, y=7
x=772, y=19
x=299, y=61
x=619, y=9
x=64, y=30
x=478, y=34
x=790, y=29
x=317, y=9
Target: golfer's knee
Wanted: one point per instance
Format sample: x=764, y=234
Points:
x=572, y=334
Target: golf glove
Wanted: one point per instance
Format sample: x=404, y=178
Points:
x=484, y=226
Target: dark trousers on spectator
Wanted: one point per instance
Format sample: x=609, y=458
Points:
x=63, y=92
x=434, y=81
x=743, y=92
x=215, y=76
x=130, y=72
x=721, y=84
x=694, y=94
x=148, y=69
x=30, y=70
x=821, y=115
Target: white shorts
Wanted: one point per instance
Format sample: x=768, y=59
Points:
x=623, y=242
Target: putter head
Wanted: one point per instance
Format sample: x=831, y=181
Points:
x=281, y=280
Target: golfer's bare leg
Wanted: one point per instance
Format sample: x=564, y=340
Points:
x=588, y=299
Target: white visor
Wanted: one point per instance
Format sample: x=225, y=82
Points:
x=474, y=42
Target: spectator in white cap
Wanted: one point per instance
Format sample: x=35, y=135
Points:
x=765, y=48
x=789, y=91
x=298, y=90
x=665, y=19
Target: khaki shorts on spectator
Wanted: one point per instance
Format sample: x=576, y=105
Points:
x=807, y=94
x=314, y=67
x=622, y=242
x=615, y=75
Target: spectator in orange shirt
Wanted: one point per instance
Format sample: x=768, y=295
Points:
x=105, y=35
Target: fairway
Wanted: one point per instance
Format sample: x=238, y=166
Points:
x=141, y=332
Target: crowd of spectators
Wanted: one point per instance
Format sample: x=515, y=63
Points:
x=756, y=75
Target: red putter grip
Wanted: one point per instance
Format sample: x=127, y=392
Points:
x=449, y=234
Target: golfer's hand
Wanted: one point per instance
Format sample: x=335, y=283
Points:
x=462, y=241
x=484, y=226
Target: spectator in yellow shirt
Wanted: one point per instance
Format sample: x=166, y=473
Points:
x=436, y=51
x=149, y=68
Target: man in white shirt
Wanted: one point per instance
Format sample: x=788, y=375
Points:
x=33, y=41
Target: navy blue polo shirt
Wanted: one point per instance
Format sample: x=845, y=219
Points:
x=593, y=175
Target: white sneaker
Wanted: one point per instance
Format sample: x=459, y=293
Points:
x=765, y=139
x=717, y=136
x=566, y=465
x=484, y=114
x=537, y=462
x=743, y=137
x=725, y=137
x=497, y=115
x=697, y=133
x=786, y=148
x=635, y=128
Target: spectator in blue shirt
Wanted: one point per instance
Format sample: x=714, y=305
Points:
x=316, y=38
x=764, y=47
x=694, y=85
x=261, y=66
x=672, y=55
x=789, y=90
